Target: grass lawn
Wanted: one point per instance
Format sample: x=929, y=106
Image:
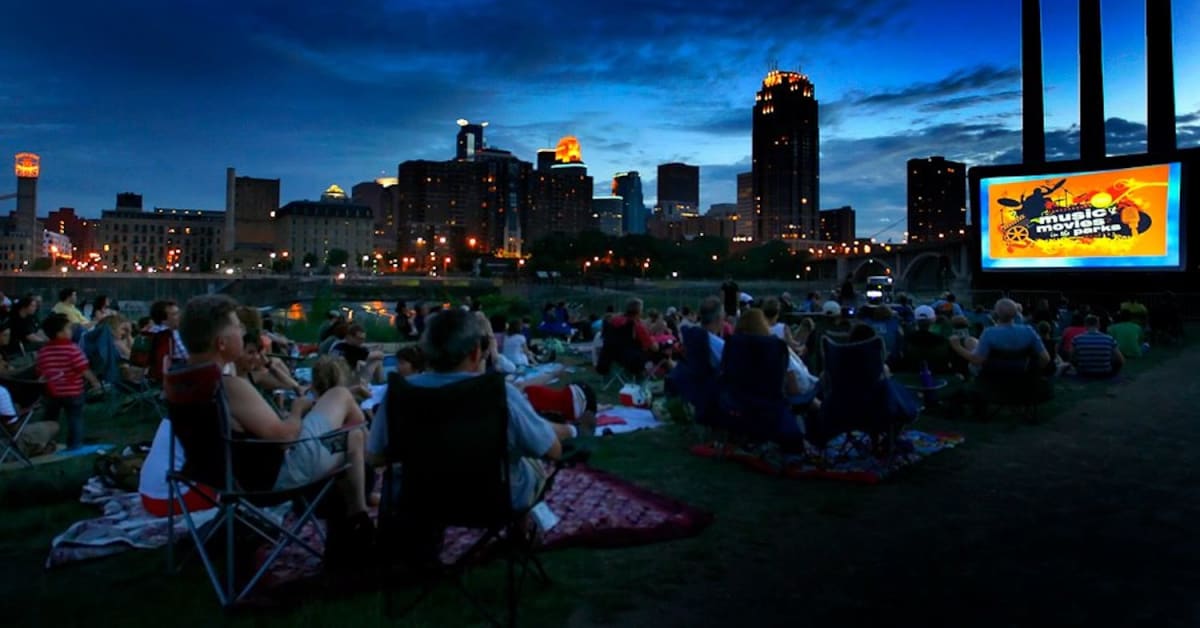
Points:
x=824, y=548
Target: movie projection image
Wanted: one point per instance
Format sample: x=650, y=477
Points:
x=1111, y=219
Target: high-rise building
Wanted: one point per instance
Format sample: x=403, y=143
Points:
x=470, y=140
x=838, y=225
x=179, y=239
x=785, y=157
x=250, y=206
x=545, y=158
x=628, y=185
x=937, y=199
x=678, y=190
x=609, y=212
x=562, y=202
x=746, y=216
x=81, y=232
x=438, y=202
x=380, y=196
x=20, y=235
x=506, y=197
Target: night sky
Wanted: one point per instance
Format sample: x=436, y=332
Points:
x=160, y=97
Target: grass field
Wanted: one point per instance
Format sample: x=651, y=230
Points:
x=779, y=552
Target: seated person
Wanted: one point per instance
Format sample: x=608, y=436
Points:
x=366, y=363
x=25, y=337
x=933, y=349
x=1096, y=353
x=516, y=346
x=37, y=439
x=453, y=347
x=279, y=342
x=711, y=317
x=1068, y=336
x=799, y=385
x=772, y=308
x=410, y=360
x=212, y=333
x=337, y=333
x=554, y=322
x=1006, y=336
x=633, y=317
x=1128, y=334
x=264, y=373
x=122, y=332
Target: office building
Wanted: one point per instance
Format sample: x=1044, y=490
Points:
x=469, y=140
x=838, y=225
x=628, y=185
x=379, y=195
x=82, y=232
x=609, y=212
x=561, y=202
x=314, y=228
x=163, y=239
x=250, y=206
x=785, y=154
x=678, y=191
x=746, y=227
x=937, y=199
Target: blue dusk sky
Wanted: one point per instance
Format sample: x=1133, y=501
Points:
x=160, y=97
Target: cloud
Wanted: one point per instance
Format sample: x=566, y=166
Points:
x=966, y=80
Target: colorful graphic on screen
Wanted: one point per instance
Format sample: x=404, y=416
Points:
x=1116, y=219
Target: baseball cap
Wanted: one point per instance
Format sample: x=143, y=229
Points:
x=671, y=310
x=924, y=313
x=334, y=314
x=831, y=308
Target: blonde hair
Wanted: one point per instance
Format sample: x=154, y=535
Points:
x=753, y=322
x=329, y=372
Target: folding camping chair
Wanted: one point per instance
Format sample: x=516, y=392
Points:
x=860, y=401
x=451, y=443
x=26, y=395
x=237, y=476
x=753, y=370
x=621, y=357
x=694, y=379
x=1010, y=379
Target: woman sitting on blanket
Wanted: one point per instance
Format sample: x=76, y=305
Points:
x=799, y=384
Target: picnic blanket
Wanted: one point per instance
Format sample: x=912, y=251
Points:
x=624, y=419
x=60, y=455
x=124, y=525
x=849, y=466
x=595, y=509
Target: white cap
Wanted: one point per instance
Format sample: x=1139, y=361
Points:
x=745, y=298
x=671, y=310
x=831, y=308
x=924, y=313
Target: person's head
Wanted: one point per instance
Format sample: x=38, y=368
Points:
x=1077, y=318
x=410, y=360
x=339, y=330
x=806, y=325
x=26, y=306
x=653, y=316
x=1006, y=311
x=1091, y=321
x=712, y=314
x=514, y=327
x=144, y=323
x=251, y=318
x=5, y=335
x=165, y=312
x=329, y=372
x=67, y=295
x=924, y=316
x=1124, y=316
x=753, y=322
x=770, y=309
x=251, y=358
x=831, y=309
x=57, y=326
x=453, y=341
x=1044, y=330
x=118, y=324
x=633, y=308
x=100, y=303
x=356, y=335
x=687, y=313
x=269, y=325
x=861, y=332
x=209, y=326
x=950, y=297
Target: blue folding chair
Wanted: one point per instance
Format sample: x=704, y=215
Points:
x=694, y=379
x=753, y=371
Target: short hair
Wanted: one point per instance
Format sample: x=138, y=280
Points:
x=711, y=311
x=66, y=293
x=1006, y=310
x=54, y=324
x=158, y=310
x=251, y=341
x=807, y=324
x=354, y=329
x=329, y=372
x=861, y=332
x=514, y=327
x=24, y=302
x=753, y=322
x=770, y=308
x=633, y=306
x=143, y=321
x=204, y=317
x=450, y=337
x=250, y=316
x=412, y=354
x=1091, y=321
x=1124, y=316
x=1044, y=329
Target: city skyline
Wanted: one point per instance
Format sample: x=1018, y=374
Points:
x=114, y=101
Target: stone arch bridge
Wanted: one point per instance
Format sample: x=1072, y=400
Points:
x=928, y=266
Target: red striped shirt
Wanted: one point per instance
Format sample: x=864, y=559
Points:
x=62, y=364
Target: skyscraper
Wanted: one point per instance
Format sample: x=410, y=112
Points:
x=785, y=156
x=562, y=202
x=470, y=140
x=937, y=199
x=745, y=217
x=609, y=212
x=678, y=190
x=838, y=225
x=250, y=206
x=628, y=185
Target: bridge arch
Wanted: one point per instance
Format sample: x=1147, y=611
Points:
x=871, y=266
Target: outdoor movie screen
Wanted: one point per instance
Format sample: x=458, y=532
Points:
x=1119, y=219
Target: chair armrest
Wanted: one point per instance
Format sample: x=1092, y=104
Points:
x=335, y=440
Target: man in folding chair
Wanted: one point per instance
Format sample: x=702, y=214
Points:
x=212, y=332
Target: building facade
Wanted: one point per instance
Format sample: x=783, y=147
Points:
x=747, y=224
x=250, y=206
x=609, y=213
x=628, y=185
x=314, y=228
x=838, y=225
x=561, y=203
x=164, y=239
x=380, y=196
x=82, y=232
x=937, y=199
x=678, y=191
x=785, y=156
